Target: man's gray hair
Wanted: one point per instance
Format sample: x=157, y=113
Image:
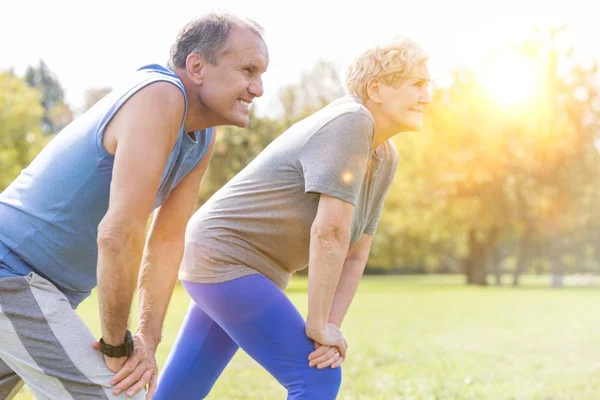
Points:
x=207, y=35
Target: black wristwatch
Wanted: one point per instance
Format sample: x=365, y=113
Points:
x=124, y=350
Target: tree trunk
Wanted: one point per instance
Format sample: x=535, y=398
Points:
x=558, y=273
x=498, y=276
x=492, y=255
x=391, y=250
x=523, y=256
x=557, y=269
x=475, y=263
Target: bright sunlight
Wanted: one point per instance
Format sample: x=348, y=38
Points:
x=511, y=80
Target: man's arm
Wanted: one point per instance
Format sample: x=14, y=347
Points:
x=141, y=135
x=329, y=241
x=158, y=274
x=353, y=269
x=164, y=250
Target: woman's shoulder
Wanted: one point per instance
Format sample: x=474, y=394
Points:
x=351, y=108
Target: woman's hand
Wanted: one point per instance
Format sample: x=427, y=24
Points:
x=329, y=335
x=325, y=356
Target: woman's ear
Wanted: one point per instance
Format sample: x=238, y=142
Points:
x=374, y=90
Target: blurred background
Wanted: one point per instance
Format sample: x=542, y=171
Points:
x=502, y=181
x=494, y=207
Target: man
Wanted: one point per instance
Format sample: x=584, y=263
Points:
x=76, y=216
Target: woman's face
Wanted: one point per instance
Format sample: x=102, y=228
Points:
x=402, y=105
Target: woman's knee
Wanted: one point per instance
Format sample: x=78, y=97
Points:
x=182, y=391
x=317, y=384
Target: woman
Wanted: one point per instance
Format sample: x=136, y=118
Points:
x=312, y=198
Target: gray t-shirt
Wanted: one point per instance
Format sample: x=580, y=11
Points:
x=260, y=221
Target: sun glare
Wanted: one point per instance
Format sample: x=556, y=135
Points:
x=511, y=81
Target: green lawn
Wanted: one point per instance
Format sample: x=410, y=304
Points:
x=431, y=337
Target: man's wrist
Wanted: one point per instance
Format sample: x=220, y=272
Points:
x=124, y=349
x=114, y=339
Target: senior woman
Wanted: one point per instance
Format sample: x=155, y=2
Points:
x=312, y=198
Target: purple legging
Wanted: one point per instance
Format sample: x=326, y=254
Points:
x=252, y=313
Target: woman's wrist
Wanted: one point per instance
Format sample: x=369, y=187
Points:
x=314, y=325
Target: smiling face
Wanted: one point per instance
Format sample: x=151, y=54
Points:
x=229, y=86
x=402, y=105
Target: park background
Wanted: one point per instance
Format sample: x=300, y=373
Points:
x=482, y=280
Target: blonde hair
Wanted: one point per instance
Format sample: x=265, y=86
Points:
x=390, y=62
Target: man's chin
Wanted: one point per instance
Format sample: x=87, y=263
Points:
x=240, y=122
x=243, y=123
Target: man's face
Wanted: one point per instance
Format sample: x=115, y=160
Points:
x=403, y=105
x=229, y=87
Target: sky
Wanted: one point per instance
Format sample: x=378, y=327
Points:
x=94, y=44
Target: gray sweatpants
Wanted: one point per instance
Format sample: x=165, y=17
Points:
x=44, y=343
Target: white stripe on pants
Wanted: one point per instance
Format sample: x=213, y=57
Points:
x=46, y=343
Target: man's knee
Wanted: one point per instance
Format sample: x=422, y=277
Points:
x=10, y=383
x=10, y=386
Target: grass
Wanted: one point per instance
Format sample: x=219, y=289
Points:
x=431, y=337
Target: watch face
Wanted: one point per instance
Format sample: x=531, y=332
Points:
x=123, y=350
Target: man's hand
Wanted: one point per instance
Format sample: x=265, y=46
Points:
x=114, y=364
x=325, y=356
x=329, y=335
x=133, y=373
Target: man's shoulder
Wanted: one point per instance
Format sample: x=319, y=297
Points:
x=141, y=79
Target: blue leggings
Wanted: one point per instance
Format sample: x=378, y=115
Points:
x=252, y=313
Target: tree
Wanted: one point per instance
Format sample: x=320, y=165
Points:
x=483, y=176
x=20, y=118
x=316, y=88
x=57, y=113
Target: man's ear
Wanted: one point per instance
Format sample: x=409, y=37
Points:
x=374, y=90
x=194, y=64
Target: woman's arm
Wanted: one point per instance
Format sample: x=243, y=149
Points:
x=329, y=242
